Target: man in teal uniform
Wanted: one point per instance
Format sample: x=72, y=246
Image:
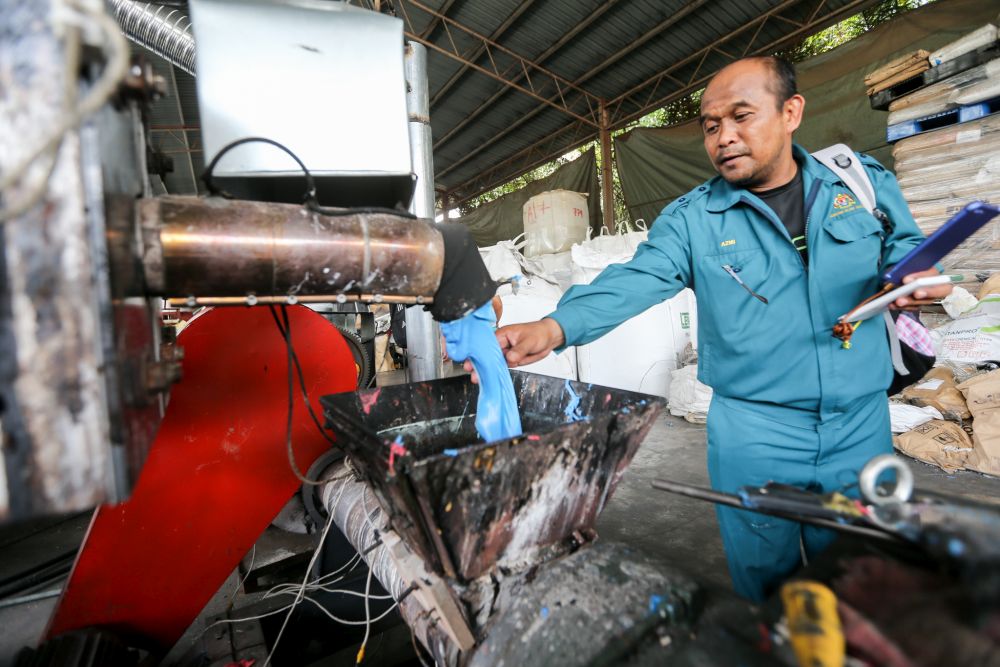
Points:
x=776, y=248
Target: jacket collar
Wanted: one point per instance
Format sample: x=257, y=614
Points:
x=723, y=196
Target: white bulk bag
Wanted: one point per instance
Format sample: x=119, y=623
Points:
x=534, y=300
x=554, y=268
x=505, y=260
x=689, y=398
x=641, y=353
x=502, y=260
x=554, y=221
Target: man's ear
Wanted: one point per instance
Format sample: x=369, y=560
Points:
x=791, y=112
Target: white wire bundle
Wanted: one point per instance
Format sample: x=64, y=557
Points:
x=87, y=15
x=320, y=584
x=324, y=584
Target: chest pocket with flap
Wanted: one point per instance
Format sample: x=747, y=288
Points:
x=858, y=242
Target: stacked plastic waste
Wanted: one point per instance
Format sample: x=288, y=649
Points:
x=946, y=124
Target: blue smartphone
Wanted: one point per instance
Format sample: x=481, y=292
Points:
x=961, y=226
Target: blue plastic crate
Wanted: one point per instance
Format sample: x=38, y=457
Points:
x=961, y=114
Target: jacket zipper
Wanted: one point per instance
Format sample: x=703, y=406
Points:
x=810, y=200
x=732, y=272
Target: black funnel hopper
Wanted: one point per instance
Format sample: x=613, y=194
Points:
x=464, y=505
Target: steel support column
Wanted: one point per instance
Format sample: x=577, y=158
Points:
x=607, y=185
x=423, y=335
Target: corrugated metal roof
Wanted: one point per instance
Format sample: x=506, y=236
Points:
x=632, y=42
x=636, y=54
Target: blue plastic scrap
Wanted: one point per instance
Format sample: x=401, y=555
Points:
x=573, y=412
x=471, y=337
x=746, y=499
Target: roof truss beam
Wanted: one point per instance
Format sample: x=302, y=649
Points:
x=573, y=135
x=443, y=11
x=517, y=76
x=644, y=99
x=480, y=49
x=686, y=10
x=539, y=83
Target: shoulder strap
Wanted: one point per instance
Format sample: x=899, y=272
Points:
x=842, y=161
x=845, y=163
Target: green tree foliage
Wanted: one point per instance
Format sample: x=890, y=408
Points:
x=849, y=28
x=686, y=108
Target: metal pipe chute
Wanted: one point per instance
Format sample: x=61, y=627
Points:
x=239, y=250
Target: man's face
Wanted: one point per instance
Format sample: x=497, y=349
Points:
x=747, y=132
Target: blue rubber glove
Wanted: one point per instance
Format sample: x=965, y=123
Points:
x=472, y=337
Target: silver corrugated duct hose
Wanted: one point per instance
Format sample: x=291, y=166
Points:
x=163, y=30
x=358, y=515
x=430, y=610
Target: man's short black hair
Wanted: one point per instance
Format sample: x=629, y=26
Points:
x=783, y=82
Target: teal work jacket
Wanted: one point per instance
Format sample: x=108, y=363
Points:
x=781, y=352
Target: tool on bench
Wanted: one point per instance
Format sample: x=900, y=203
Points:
x=956, y=531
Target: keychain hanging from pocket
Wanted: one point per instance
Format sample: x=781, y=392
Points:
x=732, y=272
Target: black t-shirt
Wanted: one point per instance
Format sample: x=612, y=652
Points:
x=788, y=203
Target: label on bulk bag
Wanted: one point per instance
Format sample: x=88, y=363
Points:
x=975, y=336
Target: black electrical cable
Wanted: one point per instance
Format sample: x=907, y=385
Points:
x=293, y=367
x=286, y=334
x=309, y=199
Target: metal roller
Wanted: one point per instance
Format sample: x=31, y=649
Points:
x=213, y=247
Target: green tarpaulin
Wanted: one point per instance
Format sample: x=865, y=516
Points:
x=502, y=220
x=657, y=165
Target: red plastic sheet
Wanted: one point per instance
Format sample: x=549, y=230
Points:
x=216, y=476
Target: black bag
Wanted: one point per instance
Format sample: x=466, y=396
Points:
x=917, y=363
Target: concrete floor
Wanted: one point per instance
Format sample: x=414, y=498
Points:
x=683, y=531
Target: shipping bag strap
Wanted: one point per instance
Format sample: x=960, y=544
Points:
x=845, y=163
